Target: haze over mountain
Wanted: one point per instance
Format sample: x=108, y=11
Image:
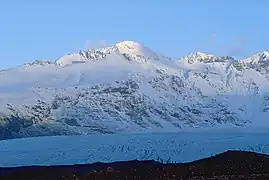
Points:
x=130, y=88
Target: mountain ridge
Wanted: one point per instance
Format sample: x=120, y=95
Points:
x=129, y=47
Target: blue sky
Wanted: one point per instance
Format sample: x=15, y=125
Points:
x=46, y=30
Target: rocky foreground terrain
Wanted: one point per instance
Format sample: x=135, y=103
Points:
x=230, y=165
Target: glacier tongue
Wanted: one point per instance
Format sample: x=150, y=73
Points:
x=130, y=88
x=180, y=147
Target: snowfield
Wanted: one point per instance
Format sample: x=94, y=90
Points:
x=164, y=147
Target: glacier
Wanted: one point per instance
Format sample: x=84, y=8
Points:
x=130, y=88
x=178, y=147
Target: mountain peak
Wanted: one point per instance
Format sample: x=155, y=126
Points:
x=258, y=58
x=134, y=48
x=130, y=44
x=197, y=57
x=257, y=61
x=129, y=48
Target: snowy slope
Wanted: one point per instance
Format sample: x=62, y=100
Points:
x=130, y=88
x=164, y=147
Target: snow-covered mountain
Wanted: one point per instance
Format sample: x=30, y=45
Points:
x=130, y=88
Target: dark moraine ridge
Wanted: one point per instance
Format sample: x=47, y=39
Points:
x=230, y=165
